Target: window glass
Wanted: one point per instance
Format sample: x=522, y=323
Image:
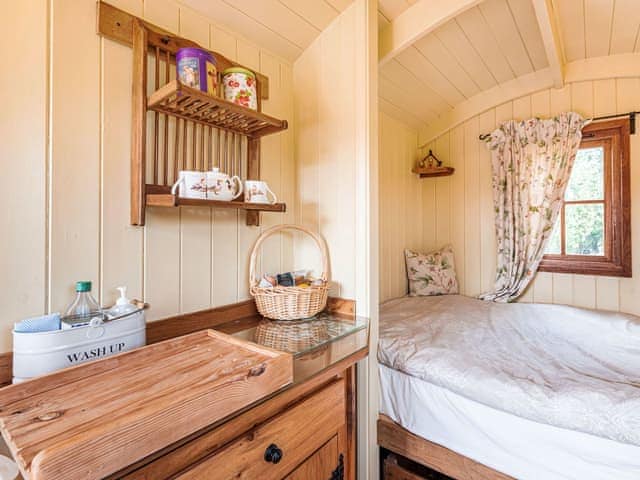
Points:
x=587, y=176
x=584, y=229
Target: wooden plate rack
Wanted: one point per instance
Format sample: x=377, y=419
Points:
x=175, y=127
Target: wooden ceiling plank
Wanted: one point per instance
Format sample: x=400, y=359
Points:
x=483, y=40
x=414, y=61
x=405, y=78
x=454, y=40
x=422, y=97
x=319, y=14
x=499, y=18
x=597, y=20
x=551, y=39
x=431, y=47
x=420, y=19
x=398, y=113
x=525, y=17
x=339, y=5
x=404, y=99
x=570, y=21
x=239, y=22
x=626, y=23
x=278, y=18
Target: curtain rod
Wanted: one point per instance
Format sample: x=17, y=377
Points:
x=631, y=115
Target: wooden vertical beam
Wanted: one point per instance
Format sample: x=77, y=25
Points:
x=351, y=395
x=253, y=173
x=138, y=124
x=551, y=38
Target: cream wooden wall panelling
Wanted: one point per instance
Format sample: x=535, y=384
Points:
x=121, y=243
x=23, y=94
x=308, y=142
x=326, y=148
x=450, y=150
x=443, y=196
x=75, y=175
x=401, y=203
x=473, y=246
x=487, y=123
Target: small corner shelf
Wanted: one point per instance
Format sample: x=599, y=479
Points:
x=178, y=100
x=433, y=172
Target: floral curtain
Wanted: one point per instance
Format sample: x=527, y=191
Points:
x=531, y=163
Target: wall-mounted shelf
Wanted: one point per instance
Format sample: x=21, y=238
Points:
x=187, y=103
x=166, y=199
x=434, y=171
x=177, y=128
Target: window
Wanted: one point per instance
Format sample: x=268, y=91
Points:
x=593, y=233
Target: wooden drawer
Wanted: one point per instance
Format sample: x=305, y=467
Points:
x=297, y=433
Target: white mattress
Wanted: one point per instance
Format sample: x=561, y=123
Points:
x=521, y=448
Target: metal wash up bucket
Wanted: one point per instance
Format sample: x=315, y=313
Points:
x=38, y=353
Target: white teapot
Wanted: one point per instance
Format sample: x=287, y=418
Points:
x=222, y=187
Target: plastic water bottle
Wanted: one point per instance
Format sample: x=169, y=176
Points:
x=83, y=308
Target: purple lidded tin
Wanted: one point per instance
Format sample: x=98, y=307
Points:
x=197, y=69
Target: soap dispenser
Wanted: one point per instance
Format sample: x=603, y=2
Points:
x=123, y=306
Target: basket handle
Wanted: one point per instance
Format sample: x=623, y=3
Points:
x=320, y=242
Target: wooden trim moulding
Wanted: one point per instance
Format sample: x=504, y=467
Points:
x=179, y=325
x=395, y=438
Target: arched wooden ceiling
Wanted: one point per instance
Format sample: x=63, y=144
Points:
x=497, y=49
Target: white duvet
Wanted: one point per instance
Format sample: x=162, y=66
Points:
x=564, y=366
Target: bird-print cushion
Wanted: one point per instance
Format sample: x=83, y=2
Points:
x=431, y=273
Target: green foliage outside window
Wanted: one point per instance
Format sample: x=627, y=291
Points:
x=584, y=223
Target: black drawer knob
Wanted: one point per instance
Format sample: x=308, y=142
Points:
x=272, y=454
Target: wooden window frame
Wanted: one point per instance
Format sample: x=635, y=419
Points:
x=616, y=261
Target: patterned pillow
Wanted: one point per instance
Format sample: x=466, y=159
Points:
x=431, y=273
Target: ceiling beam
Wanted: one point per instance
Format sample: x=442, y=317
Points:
x=551, y=39
x=418, y=20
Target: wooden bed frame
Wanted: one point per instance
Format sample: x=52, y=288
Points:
x=395, y=438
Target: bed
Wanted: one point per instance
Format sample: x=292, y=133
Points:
x=526, y=391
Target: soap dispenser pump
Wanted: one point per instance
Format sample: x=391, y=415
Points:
x=123, y=305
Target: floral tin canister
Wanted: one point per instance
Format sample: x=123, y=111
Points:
x=240, y=87
x=197, y=69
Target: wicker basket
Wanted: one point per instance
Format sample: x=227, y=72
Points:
x=289, y=303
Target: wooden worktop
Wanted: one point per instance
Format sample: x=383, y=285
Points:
x=92, y=420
